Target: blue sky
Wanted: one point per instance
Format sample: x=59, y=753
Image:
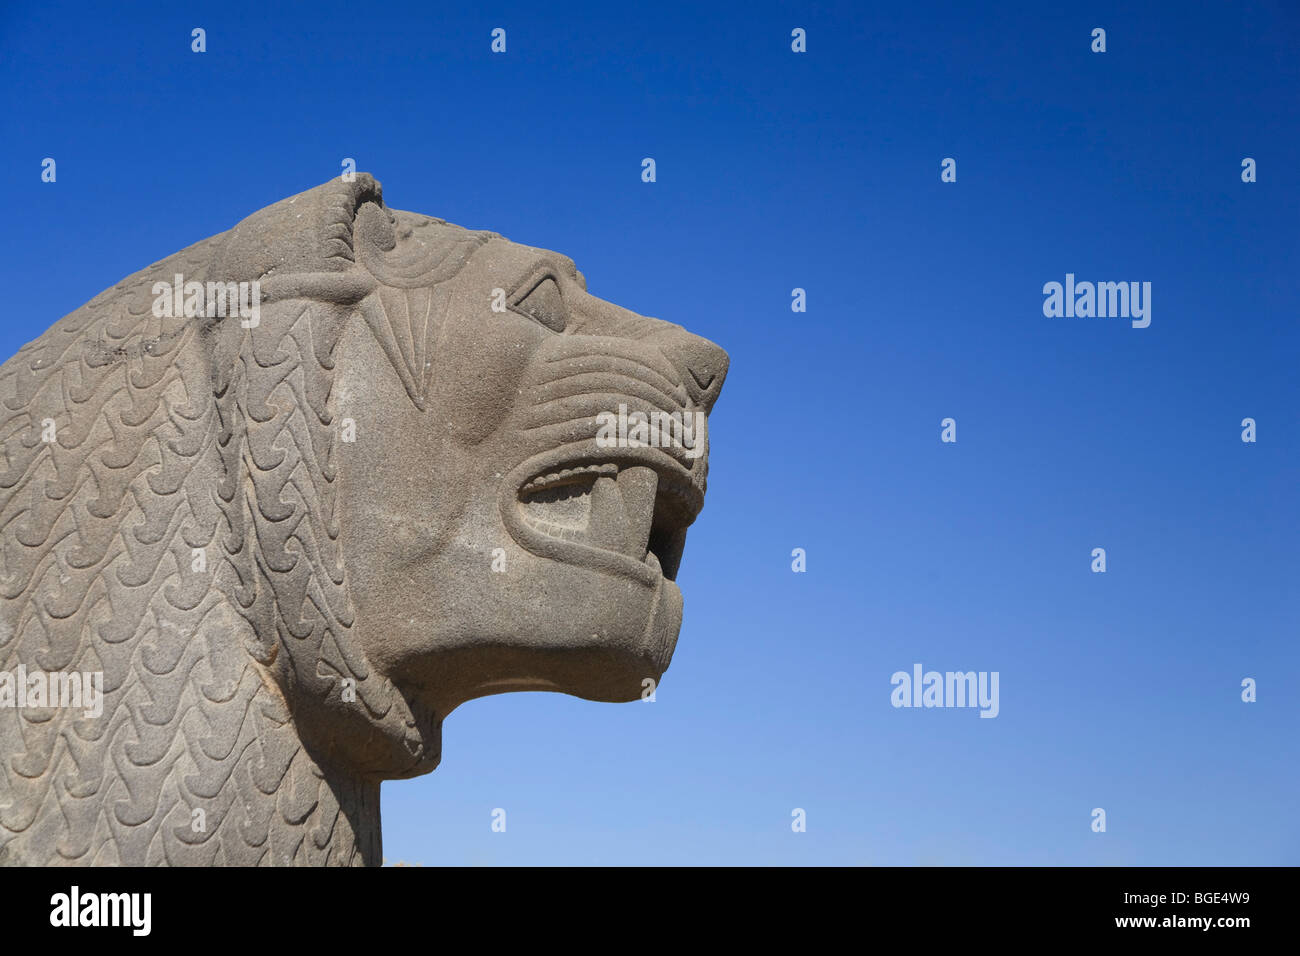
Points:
x=778, y=170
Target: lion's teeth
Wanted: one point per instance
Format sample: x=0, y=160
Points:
x=608, y=528
x=608, y=507
x=566, y=474
x=554, y=530
x=637, y=486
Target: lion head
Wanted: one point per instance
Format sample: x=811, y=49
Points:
x=293, y=540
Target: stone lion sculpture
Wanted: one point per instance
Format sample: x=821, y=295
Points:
x=287, y=540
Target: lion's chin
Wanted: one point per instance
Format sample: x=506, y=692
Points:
x=609, y=672
x=541, y=624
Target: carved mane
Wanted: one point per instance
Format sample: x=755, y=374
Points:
x=179, y=535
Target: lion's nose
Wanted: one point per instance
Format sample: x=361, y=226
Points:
x=703, y=364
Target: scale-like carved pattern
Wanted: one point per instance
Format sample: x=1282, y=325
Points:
x=167, y=518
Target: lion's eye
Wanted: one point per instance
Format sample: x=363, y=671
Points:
x=545, y=304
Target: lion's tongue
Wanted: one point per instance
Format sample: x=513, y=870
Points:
x=622, y=510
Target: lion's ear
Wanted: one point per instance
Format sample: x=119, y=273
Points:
x=312, y=233
x=301, y=248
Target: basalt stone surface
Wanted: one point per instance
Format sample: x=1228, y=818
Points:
x=296, y=527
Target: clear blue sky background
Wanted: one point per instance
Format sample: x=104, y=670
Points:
x=776, y=170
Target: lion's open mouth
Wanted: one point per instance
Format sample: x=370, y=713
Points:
x=626, y=507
